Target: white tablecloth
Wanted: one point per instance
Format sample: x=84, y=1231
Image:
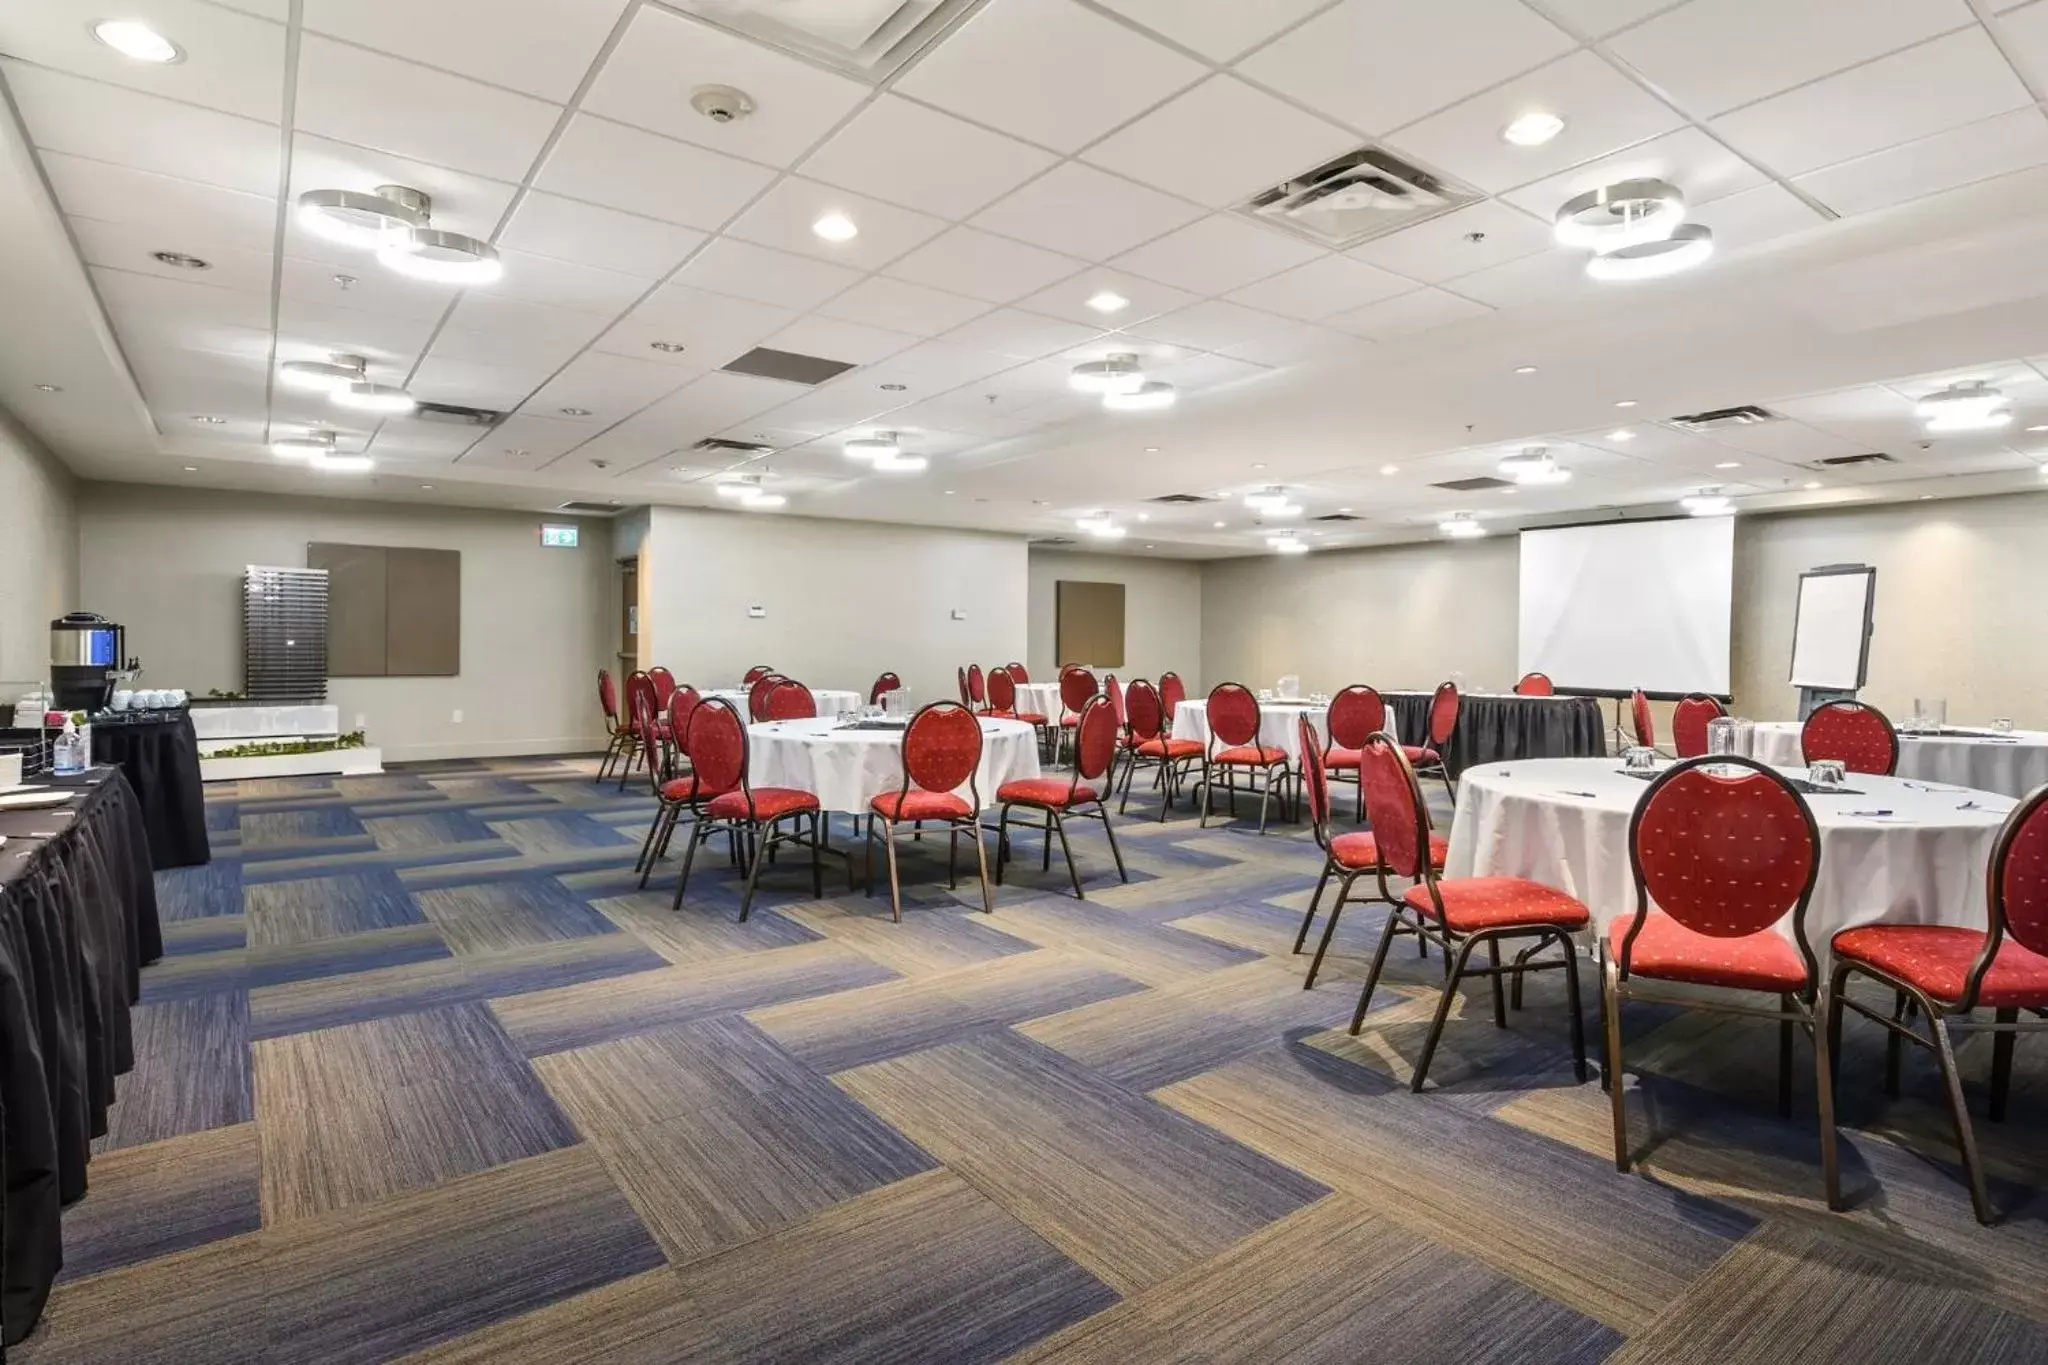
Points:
x=1277, y=728
x=829, y=701
x=2012, y=767
x=847, y=768
x=1041, y=698
x=1923, y=864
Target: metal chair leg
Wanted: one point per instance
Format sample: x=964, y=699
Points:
x=1329, y=932
x=1372, y=977
x=1785, y=1003
x=1571, y=996
x=1114, y=851
x=1500, y=999
x=1610, y=1000
x=1313, y=902
x=1893, y=1045
x=1443, y=1012
x=2001, y=1062
x=817, y=859
x=1966, y=1137
x=988, y=901
x=895, y=886
x=698, y=834
x=1058, y=822
x=753, y=870
x=1825, y=1018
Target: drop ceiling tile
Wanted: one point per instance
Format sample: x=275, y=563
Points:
x=322, y=327
x=715, y=401
x=1085, y=212
x=1333, y=284
x=902, y=306
x=783, y=218
x=832, y=339
x=366, y=286
x=1221, y=143
x=525, y=442
x=648, y=78
x=835, y=406
x=1020, y=335
x=1048, y=71
x=413, y=442
x=1439, y=249
x=1755, y=216
x=373, y=100
x=147, y=298
x=67, y=114
x=132, y=246
x=1603, y=112
x=1954, y=80
x=1435, y=55
x=1245, y=334
x=1702, y=167
x=466, y=383
x=712, y=328
x=1202, y=373
x=908, y=154
x=1143, y=299
x=1217, y=255
x=2025, y=32
x=1712, y=55
x=120, y=194
x=1220, y=30
x=933, y=367
x=570, y=230
x=1408, y=315
x=1599, y=18
x=606, y=387
x=730, y=266
x=542, y=49
x=232, y=62
x=1531, y=279
x=963, y=260
x=501, y=331
x=565, y=284
x=461, y=203
x=1961, y=156
x=625, y=168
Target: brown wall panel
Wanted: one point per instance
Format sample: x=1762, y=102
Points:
x=355, y=608
x=423, y=613
x=1089, y=623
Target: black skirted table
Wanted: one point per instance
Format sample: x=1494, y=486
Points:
x=159, y=754
x=78, y=920
x=1494, y=726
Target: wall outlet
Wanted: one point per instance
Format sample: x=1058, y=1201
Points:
x=457, y=717
x=959, y=615
x=757, y=613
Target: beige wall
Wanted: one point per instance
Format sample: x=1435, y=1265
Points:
x=844, y=600
x=38, y=554
x=536, y=623
x=1162, y=612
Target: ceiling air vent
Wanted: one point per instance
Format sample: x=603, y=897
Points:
x=1361, y=195
x=1181, y=498
x=1847, y=461
x=1720, y=419
x=722, y=446
x=766, y=363
x=1478, y=484
x=1051, y=540
x=864, y=38
x=457, y=416
x=591, y=509
x=1337, y=516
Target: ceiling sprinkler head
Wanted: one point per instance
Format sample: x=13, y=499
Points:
x=721, y=103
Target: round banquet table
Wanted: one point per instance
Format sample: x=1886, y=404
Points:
x=1040, y=698
x=1277, y=728
x=1493, y=726
x=829, y=701
x=2011, y=765
x=848, y=767
x=1564, y=822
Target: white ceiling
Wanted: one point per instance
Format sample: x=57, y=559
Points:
x=1876, y=176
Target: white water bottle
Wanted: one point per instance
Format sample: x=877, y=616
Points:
x=68, y=758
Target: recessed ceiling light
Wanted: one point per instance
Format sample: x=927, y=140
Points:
x=1729, y=464
x=343, y=464
x=1685, y=248
x=836, y=227
x=1525, y=369
x=359, y=219
x=1624, y=402
x=1533, y=129
x=1109, y=301
x=1707, y=503
x=902, y=464
x=1535, y=467
x=139, y=42
x=49, y=388
x=1151, y=547
x=574, y=412
x=1390, y=469
x=426, y=488
x=1261, y=464
x=1971, y=406
x=1927, y=497
x=667, y=347
x=210, y=421
x=1624, y=434
x=180, y=260
x=1219, y=525
x=313, y=443
x=387, y=400
x=191, y=469
x=1154, y=450
x=894, y=388
x=1460, y=526
x=1812, y=484
x=880, y=446
x=1345, y=510
x=1144, y=516
x=947, y=491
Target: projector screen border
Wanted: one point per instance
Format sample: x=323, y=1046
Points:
x=1725, y=698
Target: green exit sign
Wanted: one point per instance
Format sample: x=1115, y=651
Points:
x=557, y=537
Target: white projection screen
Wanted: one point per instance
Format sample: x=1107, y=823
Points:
x=1630, y=604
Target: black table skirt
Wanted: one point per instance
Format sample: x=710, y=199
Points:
x=161, y=761
x=78, y=920
x=1492, y=729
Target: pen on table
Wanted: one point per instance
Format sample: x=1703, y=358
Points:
x=1870, y=814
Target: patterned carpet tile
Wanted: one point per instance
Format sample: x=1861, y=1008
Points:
x=646, y=1319
x=363, y=854
x=692, y=935
x=496, y=916
x=920, y=946
x=427, y=830
x=1152, y=953
x=151, y=1201
x=213, y=934
x=192, y=1071
x=543, y=835
x=201, y=892
x=346, y=955
x=1126, y=1187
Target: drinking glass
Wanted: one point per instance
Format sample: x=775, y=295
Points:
x=1745, y=737
x=1639, y=758
x=2003, y=725
x=1931, y=711
x=1721, y=735
x=1826, y=772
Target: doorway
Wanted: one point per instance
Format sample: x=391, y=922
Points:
x=629, y=616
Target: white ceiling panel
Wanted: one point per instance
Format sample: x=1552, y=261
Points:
x=783, y=218
x=565, y=284
x=963, y=260
x=132, y=246
x=911, y=155
x=1221, y=143
x=1704, y=168
x=1217, y=255
x=1048, y=71
x=232, y=62
x=67, y=114
x=501, y=331
x=368, y=286
x=414, y=111
x=1953, y=81
x=902, y=306
x=1712, y=55
x=1755, y=216
x=413, y=442
x=525, y=442
x=932, y=367
x=444, y=379
x=320, y=327
x=2025, y=32
x=606, y=387
x=834, y=406
x=1220, y=30
x=179, y=302
x=1599, y=18
x=835, y=340
x=625, y=168
x=1549, y=274
x=570, y=230
x=716, y=401
x=1085, y=212
x=1200, y=373
x=663, y=57
x=1143, y=298
x=712, y=328
x=1020, y=335
x=1379, y=64
x=1333, y=284
x=1442, y=249
x=542, y=47
x=1961, y=156
x=730, y=266
x=1245, y=334
x=461, y=203
x=119, y=194
x=1603, y=111
x=1407, y=315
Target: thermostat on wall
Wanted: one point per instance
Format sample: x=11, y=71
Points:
x=959, y=614
x=756, y=613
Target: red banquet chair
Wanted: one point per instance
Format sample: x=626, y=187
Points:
x=1169, y=757
x=1077, y=685
x=1355, y=713
x=1234, y=747
x=977, y=689
x=1724, y=855
x=1535, y=685
x=754, y=816
x=941, y=754
x=1346, y=856
x=755, y=674
x=1855, y=734
x=1946, y=972
x=966, y=699
x=676, y=790
x=1459, y=914
x=1058, y=797
x=639, y=690
x=1018, y=673
x=789, y=700
x=757, y=694
x=1002, y=703
x=664, y=687
x=887, y=682
x=618, y=730
x=1639, y=717
x=1443, y=723
x=1172, y=692
x=1689, y=723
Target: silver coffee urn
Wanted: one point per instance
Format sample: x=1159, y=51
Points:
x=86, y=650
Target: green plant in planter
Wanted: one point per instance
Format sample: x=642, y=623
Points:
x=272, y=748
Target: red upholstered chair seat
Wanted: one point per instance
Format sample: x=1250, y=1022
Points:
x=1472, y=904
x=682, y=788
x=1668, y=951
x=1937, y=958
x=1171, y=748
x=1419, y=755
x=1253, y=755
x=1358, y=850
x=770, y=803
x=1046, y=791
x=1029, y=717
x=1346, y=759
x=920, y=805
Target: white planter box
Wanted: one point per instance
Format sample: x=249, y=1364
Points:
x=337, y=762
x=247, y=720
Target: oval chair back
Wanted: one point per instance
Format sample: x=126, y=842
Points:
x=1443, y=715
x=1077, y=685
x=646, y=718
x=965, y=700
x=1018, y=673
x=977, y=690
x=789, y=700
x=1535, y=685
x=942, y=751
x=1114, y=690
x=1142, y=709
x=637, y=683
x=1315, y=778
x=1002, y=691
x=1095, y=740
x=608, y=697
x=1393, y=803
x=2018, y=888
x=718, y=748
x=1689, y=723
x=755, y=674
x=1233, y=716
x=682, y=704
x=887, y=682
x=1172, y=692
x=1639, y=713
x=1725, y=856
x=1854, y=733
x=757, y=695
x=1356, y=713
x=664, y=686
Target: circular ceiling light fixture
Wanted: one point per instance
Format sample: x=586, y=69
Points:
x=1101, y=526
x=386, y=400
x=354, y=218
x=49, y=388
x=1287, y=544
x=331, y=376
x=441, y=257
x=1622, y=214
x=1534, y=468
x=880, y=446
x=313, y=445
x=1533, y=129
x=836, y=227
x=1970, y=406
x=1621, y=434
x=1117, y=373
x=1151, y=396
x=1460, y=526
x=1685, y=248
x=1269, y=499
x=902, y=464
x=760, y=500
x=343, y=464
x=180, y=260
x=1708, y=502
x=137, y=42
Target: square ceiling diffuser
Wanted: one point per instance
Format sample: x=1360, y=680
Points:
x=864, y=38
